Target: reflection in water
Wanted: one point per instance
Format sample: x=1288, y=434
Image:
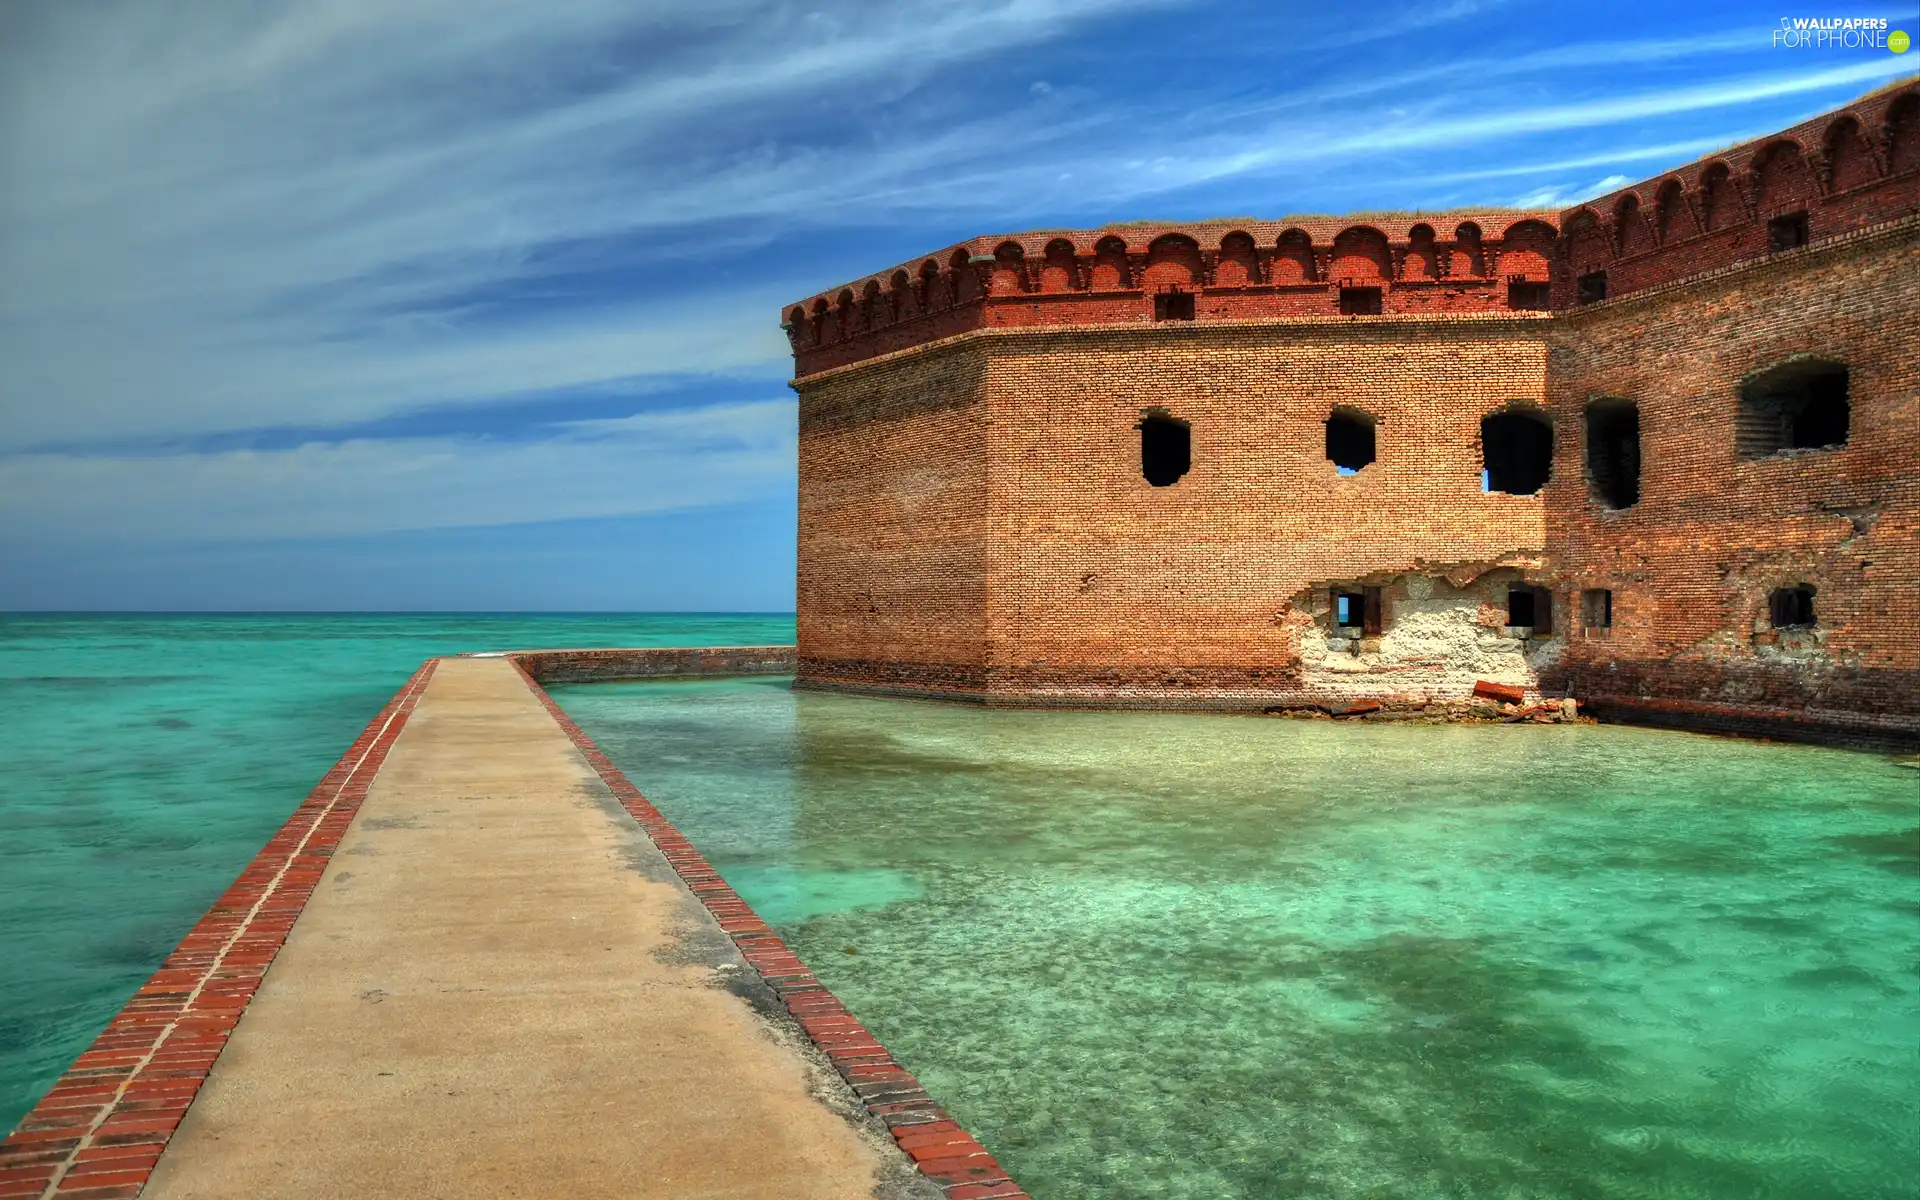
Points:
x=1177, y=955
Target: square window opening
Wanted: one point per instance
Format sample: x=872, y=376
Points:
x=1166, y=448
x=1360, y=301
x=1359, y=613
x=1525, y=296
x=1596, y=608
x=1613, y=452
x=1520, y=607
x=1592, y=287
x=1173, y=306
x=1791, y=607
x=1788, y=232
x=1516, y=451
x=1350, y=440
x=1799, y=405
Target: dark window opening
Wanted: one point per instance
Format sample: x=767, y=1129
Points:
x=1350, y=440
x=1524, y=295
x=1531, y=607
x=1795, y=406
x=1517, y=450
x=1596, y=608
x=1360, y=301
x=1349, y=609
x=1613, y=452
x=1173, y=306
x=1520, y=606
x=1788, y=232
x=1358, y=611
x=1791, y=607
x=1592, y=287
x=1166, y=449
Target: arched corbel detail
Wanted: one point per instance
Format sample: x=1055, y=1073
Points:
x=1884, y=142
x=1690, y=196
x=1869, y=143
x=1625, y=221
x=1820, y=165
x=1749, y=189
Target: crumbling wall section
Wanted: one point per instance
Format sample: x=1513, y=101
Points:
x=1441, y=633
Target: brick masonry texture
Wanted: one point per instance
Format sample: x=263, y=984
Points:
x=98, y=1132
x=938, y=1147
x=1692, y=564
x=974, y=523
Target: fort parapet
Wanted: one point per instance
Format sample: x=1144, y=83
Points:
x=1658, y=449
x=1461, y=262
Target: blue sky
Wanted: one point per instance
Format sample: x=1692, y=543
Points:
x=453, y=304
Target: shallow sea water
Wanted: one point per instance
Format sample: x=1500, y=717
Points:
x=145, y=759
x=1199, y=956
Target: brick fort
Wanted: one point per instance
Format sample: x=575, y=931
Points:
x=1659, y=452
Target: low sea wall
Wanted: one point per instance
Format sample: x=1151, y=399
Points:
x=1883, y=733
x=660, y=662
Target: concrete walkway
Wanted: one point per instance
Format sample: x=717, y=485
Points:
x=500, y=988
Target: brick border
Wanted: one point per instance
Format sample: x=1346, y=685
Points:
x=100, y=1130
x=926, y=1133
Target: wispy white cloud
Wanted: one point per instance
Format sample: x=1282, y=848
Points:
x=1288, y=147
x=651, y=462
x=219, y=217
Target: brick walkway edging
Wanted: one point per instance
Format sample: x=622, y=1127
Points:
x=938, y=1146
x=99, y=1131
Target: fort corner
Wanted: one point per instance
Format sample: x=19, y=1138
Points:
x=1657, y=451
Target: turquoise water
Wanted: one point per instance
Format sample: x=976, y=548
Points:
x=145, y=759
x=1187, y=956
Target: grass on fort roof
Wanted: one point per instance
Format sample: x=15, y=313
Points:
x=1361, y=214
x=1473, y=210
x=1597, y=202
x=1289, y=218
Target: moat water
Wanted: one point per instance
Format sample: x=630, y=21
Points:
x=145, y=759
x=1189, y=956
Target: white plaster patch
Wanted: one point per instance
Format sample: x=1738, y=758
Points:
x=1432, y=644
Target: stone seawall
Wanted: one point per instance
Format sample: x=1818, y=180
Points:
x=589, y=666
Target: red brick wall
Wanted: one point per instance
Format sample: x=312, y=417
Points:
x=893, y=500
x=1100, y=580
x=974, y=518
x=1691, y=565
